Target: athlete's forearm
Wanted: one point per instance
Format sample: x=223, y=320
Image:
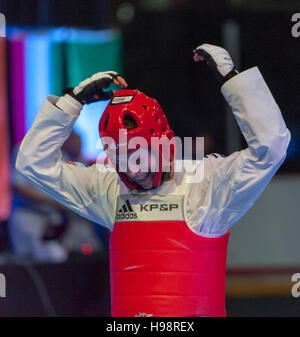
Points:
x=40, y=151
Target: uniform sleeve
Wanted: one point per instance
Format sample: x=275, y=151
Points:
x=233, y=183
x=82, y=189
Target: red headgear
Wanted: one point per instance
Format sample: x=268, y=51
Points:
x=150, y=121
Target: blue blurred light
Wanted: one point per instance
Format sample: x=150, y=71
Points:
x=39, y=77
x=37, y=74
x=86, y=127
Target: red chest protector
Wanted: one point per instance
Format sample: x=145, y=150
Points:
x=162, y=268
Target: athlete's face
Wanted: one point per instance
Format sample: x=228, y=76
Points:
x=139, y=164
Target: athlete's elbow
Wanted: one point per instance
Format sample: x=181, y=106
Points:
x=19, y=162
x=271, y=152
x=23, y=165
x=277, y=148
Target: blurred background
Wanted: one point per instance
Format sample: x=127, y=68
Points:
x=50, y=45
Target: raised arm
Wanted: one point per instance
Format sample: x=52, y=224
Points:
x=236, y=181
x=40, y=159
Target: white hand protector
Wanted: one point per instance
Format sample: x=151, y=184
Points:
x=91, y=89
x=218, y=60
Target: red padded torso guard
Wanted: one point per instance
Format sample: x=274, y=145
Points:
x=162, y=268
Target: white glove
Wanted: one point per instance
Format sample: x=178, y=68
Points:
x=91, y=89
x=218, y=59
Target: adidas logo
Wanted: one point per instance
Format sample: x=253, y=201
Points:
x=126, y=212
x=126, y=207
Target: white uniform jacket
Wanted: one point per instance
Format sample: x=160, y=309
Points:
x=229, y=187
